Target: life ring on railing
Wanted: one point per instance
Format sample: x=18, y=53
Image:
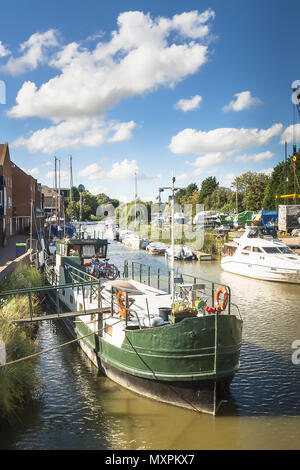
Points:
x=87, y=264
x=122, y=303
x=221, y=290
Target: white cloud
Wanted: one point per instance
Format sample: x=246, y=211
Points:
x=74, y=133
x=122, y=131
x=140, y=56
x=258, y=157
x=209, y=160
x=33, y=53
x=267, y=171
x=222, y=139
x=227, y=180
x=92, y=172
x=97, y=189
x=32, y=172
x=64, y=175
x=3, y=50
x=119, y=171
x=243, y=100
x=189, y=104
x=182, y=176
x=291, y=134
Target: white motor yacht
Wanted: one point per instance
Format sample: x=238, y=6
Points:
x=259, y=254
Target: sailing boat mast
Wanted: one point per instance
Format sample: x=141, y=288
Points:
x=172, y=240
x=71, y=188
x=55, y=188
x=135, y=197
x=59, y=194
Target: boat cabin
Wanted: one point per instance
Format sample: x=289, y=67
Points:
x=82, y=251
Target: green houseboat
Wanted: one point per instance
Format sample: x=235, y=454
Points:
x=182, y=350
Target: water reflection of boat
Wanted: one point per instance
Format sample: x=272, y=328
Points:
x=259, y=254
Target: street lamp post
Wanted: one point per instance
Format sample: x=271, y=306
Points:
x=173, y=189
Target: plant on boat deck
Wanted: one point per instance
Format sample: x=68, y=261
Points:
x=18, y=381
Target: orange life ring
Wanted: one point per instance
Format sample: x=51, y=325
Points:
x=122, y=303
x=224, y=291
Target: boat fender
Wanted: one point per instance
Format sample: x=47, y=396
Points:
x=209, y=309
x=224, y=291
x=122, y=303
x=157, y=321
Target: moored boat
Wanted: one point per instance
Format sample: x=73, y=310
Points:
x=259, y=254
x=156, y=248
x=183, y=352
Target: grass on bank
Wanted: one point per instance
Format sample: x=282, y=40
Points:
x=18, y=382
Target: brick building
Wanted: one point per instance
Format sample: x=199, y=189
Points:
x=6, y=205
x=26, y=189
x=17, y=190
x=52, y=201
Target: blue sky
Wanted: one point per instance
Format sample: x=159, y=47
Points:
x=197, y=88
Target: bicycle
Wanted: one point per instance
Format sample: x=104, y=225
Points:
x=105, y=270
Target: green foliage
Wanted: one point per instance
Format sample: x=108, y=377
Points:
x=18, y=381
x=276, y=184
x=207, y=187
x=251, y=189
x=90, y=204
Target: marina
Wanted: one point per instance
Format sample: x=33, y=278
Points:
x=149, y=229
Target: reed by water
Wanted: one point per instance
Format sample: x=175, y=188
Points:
x=18, y=381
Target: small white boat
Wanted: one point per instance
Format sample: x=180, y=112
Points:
x=133, y=240
x=181, y=252
x=156, y=248
x=259, y=254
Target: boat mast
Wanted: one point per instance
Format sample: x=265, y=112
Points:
x=135, y=197
x=59, y=196
x=71, y=188
x=172, y=239
x=55, y=188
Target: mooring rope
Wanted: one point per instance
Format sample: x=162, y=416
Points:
x=39, y=353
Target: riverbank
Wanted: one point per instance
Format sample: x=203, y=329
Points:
x=17, y=381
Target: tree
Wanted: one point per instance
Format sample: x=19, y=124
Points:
x=251, y=187
x=207, y=187
x=277, y=183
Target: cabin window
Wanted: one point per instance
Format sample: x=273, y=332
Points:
x=286, y=250
x=271, y=249
x=246, y=250
x=257, y=250
x=74, y=250
x=71, y=299
x=88, y=251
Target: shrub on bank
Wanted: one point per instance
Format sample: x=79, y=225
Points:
x=18, y=381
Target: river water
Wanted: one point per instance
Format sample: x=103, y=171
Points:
x=78, y=408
